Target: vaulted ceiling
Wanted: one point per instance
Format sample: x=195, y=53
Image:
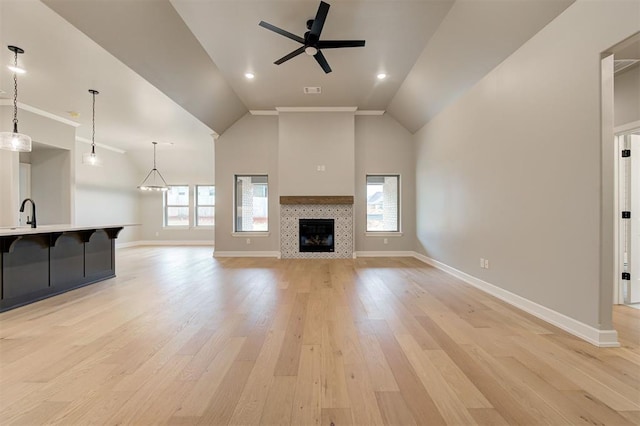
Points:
x=174, y=70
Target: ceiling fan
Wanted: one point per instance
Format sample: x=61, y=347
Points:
x=311, y=43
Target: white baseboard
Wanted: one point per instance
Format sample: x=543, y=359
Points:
x=165, y=243
x=275, y=254
x=127, y=244
x=601, y=338
x=384, y=254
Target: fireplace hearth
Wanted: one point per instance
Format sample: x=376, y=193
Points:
x=317, y=235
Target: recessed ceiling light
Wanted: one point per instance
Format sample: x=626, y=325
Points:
x=249, y=75
x=381, y=76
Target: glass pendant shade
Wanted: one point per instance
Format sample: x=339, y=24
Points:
x=154, y=180
x=91, y=159
x=15, y=141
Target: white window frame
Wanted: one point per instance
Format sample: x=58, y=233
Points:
x=398, y=232
x=166, y=205
x=197, y=204
x=240, y=233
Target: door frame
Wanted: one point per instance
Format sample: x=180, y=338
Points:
x=619, y=133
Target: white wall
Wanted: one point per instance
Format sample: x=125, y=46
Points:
x=250, y=146
x=9, y=183
x=383, y=146
x=51, y=185
x=107, y=195
x=627, y=96
x=179, y=166
x=311, y=139
x=512, y=171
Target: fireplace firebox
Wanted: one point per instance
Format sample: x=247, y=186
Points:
x=317, y=235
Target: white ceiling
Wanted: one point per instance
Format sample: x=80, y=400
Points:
x=173, y=71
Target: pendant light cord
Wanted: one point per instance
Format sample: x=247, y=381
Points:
x=93, y=120
x=154, y=155
x=15, y=93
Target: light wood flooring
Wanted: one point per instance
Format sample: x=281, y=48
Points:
x=182, y=338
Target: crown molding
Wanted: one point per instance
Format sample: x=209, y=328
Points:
x=316, y=109
x=278, y=110
x=101, y=145
x=38, y=111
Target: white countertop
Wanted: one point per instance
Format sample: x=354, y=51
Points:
x=45, y=229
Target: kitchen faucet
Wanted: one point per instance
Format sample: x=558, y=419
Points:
x=33, y=212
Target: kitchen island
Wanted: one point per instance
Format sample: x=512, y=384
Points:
x=36, y=263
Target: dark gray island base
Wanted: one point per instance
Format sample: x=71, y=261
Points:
x=40, y=263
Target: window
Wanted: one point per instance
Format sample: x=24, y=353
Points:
x=251, y=203
x=176, y=206
x=205, y=205
x=383, y=203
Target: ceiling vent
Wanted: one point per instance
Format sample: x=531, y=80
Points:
x=623, y=64
x=312, y=90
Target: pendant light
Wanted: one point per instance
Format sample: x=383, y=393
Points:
x=154, y=180
x=91, y=158
x=15, y=141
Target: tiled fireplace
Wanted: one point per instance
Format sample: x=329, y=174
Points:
x=338, y=208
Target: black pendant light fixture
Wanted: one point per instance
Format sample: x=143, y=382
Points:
x=91, y=158
x=154, y=180
x=15, y=141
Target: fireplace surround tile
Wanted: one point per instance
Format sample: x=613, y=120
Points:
x=289, y=229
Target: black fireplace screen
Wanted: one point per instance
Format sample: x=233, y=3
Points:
x=316, y=235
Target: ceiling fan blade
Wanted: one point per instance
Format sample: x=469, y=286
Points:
x=334, y=44
x=323, y=62
x=318, y=22
x=281, y=31
x=290, y=55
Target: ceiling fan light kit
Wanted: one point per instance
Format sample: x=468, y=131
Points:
x=311, y=43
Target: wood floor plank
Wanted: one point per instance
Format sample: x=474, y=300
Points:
x=279, y=403
x=307, y=405
x=336, y=417
x=446, y=400
x=499, y=397
x=411, y=389
x=289, y=359
x=180, y=337
x=251, y=403
x=394, y=409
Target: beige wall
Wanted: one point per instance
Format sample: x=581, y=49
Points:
x=250, y=146
x=107, y=195
x=627, y=96
x=512, y=171
x=383, y=146
x=178, y=167
x=378, y=145
x=52, y=169
x=311, y=139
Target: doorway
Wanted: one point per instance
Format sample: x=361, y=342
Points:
x=628, y=283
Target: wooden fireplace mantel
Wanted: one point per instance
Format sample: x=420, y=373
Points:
x=316, y=199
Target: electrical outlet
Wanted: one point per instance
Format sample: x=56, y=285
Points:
x=481, y=262
x=486, y=263
x=386, y=241
x=157, y=234
x=248, y=240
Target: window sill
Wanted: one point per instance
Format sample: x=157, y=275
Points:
x=188, y=228
x=383, y=234
x=251, y=234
